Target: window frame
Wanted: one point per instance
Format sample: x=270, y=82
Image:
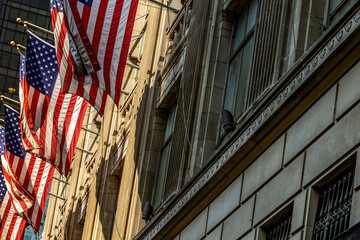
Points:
x=233, y=53
x=330, y=15
x=166, y=143
x=344, y=173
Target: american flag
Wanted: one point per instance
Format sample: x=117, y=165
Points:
x=12, y=225
x=34, y=174
x=20, y=197
x=108, y=25
x=83, y=54
x=55, y=117
x=29, y=137
x=93, y=94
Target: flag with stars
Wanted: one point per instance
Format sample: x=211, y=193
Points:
x=108, y=25
x=55, y=117
x=66, y=63
x=12, y=225
x=29, y=137
x=20, y=197
x=34, y=174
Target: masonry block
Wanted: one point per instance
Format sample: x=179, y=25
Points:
x=297, y=236
x=279, y=189
x=250, y=236
x=310, y=125
x=226, y=202
x=263, y=168
x=349, y=90
x=298, y=214
x=238, y=223
x=196, y=229
x=216, y=234
x=338, y=140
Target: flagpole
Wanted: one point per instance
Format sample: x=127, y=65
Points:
x=26, y=24
x=165, y=5
x=2, y=98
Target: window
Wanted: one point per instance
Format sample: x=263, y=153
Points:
x=280, y=230
x=334, y=205
x=164, y=158
x=336, y=8
x=241, y=59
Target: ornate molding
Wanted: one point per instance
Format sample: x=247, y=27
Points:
x=298, y=80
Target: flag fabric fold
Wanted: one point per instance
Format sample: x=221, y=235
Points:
x=12, y=225
x=67, y=71
x=34, y=174
x=19, y=196
x=108, y=25
x=56, y=117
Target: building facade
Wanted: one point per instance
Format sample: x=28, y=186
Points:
x=241, y=122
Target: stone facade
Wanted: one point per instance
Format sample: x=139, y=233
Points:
x=298, y=133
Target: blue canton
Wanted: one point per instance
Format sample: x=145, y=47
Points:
x=13, y=132
x=41, y=65
x=2, y=140
x=2, y=186
x=57, y=5
x=22, y=67
x=87, y=2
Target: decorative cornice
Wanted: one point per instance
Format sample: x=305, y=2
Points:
x=297, y=81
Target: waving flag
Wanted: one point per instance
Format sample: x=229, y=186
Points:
x=55, y=117
x=108, y=25
x=34, y=174
x=12, y=225
x=93, y=94
x=20, y=197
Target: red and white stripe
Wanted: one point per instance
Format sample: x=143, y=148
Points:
x=35, y=175
x=40, y=191
x=30, y=140
x=57, y=122
x=93, y=94
x=12, y=225
x=108, y=25
x=20, y=197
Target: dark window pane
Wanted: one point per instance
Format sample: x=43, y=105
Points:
x=4, y=59
x=22, y=14
x=160, y=182
x=170, y=123
x=334, y=4
x=232, y=83
x=41, y=20
x=18, y=37
x=244, y=78
x=2, y=81
x=252, y=15
x=9, y=35
x=240, y=29
x=32, y=17
x=14, y=61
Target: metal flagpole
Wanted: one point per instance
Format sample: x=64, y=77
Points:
x=165, y=5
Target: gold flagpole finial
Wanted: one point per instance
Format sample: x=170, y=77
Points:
x=18, y=20
x=19, y=47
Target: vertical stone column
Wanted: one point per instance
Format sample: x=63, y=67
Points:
x=128, y=188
